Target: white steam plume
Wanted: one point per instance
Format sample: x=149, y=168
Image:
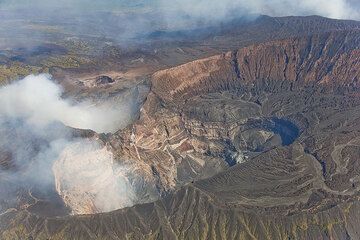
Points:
x=90, y=181
x=33, y=137
x=38, y=100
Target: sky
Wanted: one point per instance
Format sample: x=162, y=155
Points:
x=206, y=10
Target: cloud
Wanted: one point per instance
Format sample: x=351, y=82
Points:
x=205, y=9
x=129, y=22
x=214, y=11
x=34, y=135
x=127, y=19
x=90, y=181
x=38, y=100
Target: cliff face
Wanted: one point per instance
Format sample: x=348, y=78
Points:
x=315, y=59
x=269, y=133
x=331, y=58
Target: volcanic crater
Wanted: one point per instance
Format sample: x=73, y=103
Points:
x=260, y=142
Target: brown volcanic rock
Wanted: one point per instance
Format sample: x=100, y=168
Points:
x=178, y=81
x=240, y=34
x=200, y=116
x=318, y=58
x=315, y=59
x=101, y=80
x=267, y=107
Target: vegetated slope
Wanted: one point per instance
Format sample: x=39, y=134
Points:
x=286, y=111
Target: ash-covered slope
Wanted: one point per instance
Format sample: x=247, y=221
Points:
x=285, y=113
x=190, y=214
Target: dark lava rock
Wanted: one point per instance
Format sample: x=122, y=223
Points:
x=101, y=80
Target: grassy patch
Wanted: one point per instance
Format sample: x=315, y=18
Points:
x=15, y=71
x=66, y=61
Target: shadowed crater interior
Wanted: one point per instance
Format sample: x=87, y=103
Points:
x=287, y=130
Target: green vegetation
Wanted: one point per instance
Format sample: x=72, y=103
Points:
x=76, y=46
x=66, y=61
x=17, y=70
